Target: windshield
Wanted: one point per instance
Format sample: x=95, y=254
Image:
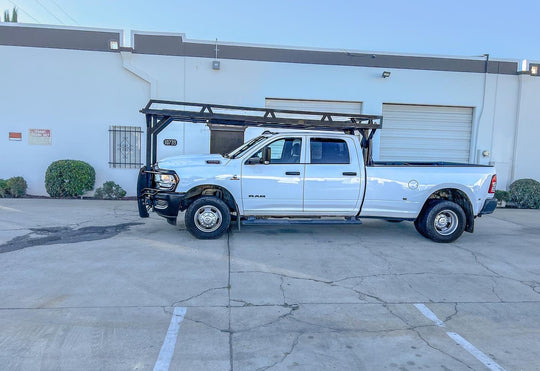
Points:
x=244, y=147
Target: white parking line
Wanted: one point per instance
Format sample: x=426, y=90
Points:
x=488, y=362
x=429, y=314
x=167, y=349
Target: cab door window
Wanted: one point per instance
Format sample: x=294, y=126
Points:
x=283, y=151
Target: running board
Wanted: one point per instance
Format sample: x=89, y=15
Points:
x=284, y=221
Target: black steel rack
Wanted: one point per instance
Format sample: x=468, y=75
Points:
x=158, y=119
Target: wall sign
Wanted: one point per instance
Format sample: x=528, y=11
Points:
x=15, y=136
x=40, y=137
x=170, y=142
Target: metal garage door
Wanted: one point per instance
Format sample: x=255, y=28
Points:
x=426, y=133
x=315, y=105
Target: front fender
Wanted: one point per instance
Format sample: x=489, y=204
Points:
x=223, y=178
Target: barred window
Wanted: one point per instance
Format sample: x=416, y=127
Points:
x=125, y=147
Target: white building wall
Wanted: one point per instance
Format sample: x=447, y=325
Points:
x=75, y=94
x=79, y=94
x=527, y=144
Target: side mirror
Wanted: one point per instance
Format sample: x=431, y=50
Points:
x=253, y=161
x=266, y=155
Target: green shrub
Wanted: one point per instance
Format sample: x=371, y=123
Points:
x=502, y=195
x=69, y=178
x=3, y=188
x=16, y=186
x=525, y=193
x=110, y=191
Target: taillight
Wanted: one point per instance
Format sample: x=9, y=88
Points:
x=493, y=185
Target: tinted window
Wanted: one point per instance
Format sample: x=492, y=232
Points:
x=284, y=151
x=329, y=151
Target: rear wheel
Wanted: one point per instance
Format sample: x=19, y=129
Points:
x=208, y=218
x=441, y=221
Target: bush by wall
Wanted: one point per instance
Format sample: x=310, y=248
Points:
x=502, y=195
x=13, y=187
x=525, y=193
x=3, y=188
x=110, y=191
x=69, y=178
x=17, y=186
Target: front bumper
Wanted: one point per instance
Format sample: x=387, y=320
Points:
x=489, y=206
x=149, y=197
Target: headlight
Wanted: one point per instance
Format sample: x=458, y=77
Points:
x=166, y=181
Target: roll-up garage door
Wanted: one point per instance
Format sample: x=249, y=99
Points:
x=426, y=133
x=315, y=105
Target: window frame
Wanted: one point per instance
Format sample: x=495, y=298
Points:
x=301, y=138
x=116, y=160
x=329, y=139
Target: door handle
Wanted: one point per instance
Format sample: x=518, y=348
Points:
x=349, y=173
x=292, y=173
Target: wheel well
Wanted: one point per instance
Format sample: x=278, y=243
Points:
x=460, y=198
x=209, y=190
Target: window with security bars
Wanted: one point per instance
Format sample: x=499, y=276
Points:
x=125, y=147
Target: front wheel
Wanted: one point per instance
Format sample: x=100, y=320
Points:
x=442, y=221
x=207, y=218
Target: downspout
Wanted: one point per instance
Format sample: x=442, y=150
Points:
x=128, y=66
x=126, y=63
x=491, y=162
x=475, y=149
x=516, y=132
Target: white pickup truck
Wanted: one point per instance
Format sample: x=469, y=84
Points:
x=314, y=176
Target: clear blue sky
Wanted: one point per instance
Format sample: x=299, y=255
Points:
x=464, y=28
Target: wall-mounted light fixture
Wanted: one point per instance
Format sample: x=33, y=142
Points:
x=385, y=74
x=534, y=69
x=113, y=45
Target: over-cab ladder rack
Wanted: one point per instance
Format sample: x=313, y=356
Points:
x=158, y=119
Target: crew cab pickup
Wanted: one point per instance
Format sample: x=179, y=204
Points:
x=315, y=175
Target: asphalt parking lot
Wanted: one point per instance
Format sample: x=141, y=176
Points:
x=87, y=285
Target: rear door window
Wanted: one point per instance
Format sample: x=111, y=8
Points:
x=329, y=151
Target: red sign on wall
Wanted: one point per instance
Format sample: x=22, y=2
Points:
x=39, y=136
x=15, y=136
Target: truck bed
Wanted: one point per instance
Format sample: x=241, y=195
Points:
x=424, y=164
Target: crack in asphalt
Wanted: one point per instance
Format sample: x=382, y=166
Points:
x=63, y=235
x=417, y=331
x=328, y=329
x=205, y=324
x=285, y=354
x=448, y=318
x=533, y=285
x=174, y=304
x=279, y=318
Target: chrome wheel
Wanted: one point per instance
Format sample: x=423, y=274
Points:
x=208, y=218
x=446, y=222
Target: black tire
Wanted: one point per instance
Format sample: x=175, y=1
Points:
x=419, y=228
x=441, y=221
x=211, y=225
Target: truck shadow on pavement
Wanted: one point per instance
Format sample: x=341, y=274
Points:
x=57, y=235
